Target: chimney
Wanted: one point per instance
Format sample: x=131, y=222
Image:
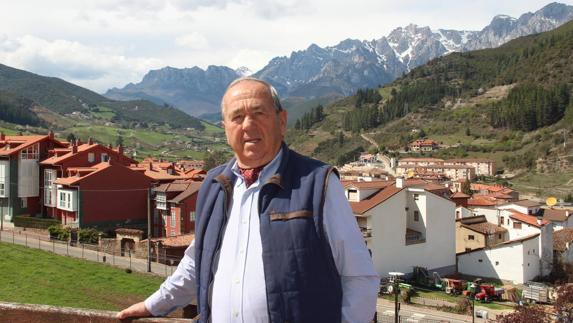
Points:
x=2, y=136
x=78, y=141
x=400, y=182
x=74, y=147
x=90, y=141
x=51, y=134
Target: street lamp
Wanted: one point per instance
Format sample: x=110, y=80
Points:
x=395, y=280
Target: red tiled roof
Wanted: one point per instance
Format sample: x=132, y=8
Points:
x=485, y=228
x=528, y=219
x=557, y=215
x=375, y=199
x=526, y=203
x=191, y=189
x=175, y=186
x=561, y=238
x=177, y=241
x=420, y=159
x=78, y=170
x=367, y=185
x=459, y=195
x=20, y=142
x=469, y=160
x=481, y=201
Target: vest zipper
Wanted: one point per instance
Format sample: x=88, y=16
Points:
x=217, y=253
x=264, y=274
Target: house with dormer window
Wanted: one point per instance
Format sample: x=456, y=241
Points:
x=403, y=222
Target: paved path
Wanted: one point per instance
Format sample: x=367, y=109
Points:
x=36, y=241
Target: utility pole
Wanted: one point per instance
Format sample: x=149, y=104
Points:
x=149, y=230
x=2, y=215
x=395, y=279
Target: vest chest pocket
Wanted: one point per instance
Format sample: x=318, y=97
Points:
x=285, y=216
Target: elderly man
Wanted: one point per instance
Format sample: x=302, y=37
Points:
x=275, y=239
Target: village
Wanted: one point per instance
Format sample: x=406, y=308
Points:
x=420, y=217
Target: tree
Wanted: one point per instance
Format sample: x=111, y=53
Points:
x=466, y=187
x=119, y=140
x=71, y=137
x=214, y=159
x=340, y=139
x=525, y=314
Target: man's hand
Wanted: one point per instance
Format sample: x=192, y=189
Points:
x=135, y=310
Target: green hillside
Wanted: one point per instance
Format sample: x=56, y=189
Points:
x=512, y=104
x=65, y=98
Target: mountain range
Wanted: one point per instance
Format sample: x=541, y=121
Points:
x=341, y=69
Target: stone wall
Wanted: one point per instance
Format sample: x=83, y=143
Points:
x=26, y=313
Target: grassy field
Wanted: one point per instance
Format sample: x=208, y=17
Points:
x=39, y=277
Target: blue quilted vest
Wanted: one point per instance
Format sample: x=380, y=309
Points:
x=302, y=283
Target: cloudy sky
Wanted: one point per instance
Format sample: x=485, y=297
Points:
x=101, y=44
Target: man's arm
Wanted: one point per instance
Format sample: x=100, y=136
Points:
x=360, y=282
x=178, y=290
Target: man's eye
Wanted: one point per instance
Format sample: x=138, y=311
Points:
x=237, y=118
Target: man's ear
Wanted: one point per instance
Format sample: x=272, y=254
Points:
x=283, y=117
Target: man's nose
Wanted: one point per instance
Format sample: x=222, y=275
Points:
x=248, y=122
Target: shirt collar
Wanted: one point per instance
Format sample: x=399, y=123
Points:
x=269, y=170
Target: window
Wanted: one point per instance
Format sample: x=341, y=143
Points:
x=104, y=157
x=416, y=216
x=24, y=201
x=161, y=201
x=353, y=195
x=192, y=216
x=457, y=214
x=66, y=200
x=31, y=152
x=480, y=260
x=507, y=221
x=91, y=157
x=471, y=237
x=517, y=225
x=499, y=236
x=468, y=249
x=49, y=187
x=172, y=220
x=497, y=263
x=416, y=197
x=62, y=199
x=4, y=178
x=501, y=220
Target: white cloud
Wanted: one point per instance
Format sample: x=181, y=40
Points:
x=193, y=40
x=104, y=43
x=97, y=68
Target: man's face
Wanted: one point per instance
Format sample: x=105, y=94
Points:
x=253, y=126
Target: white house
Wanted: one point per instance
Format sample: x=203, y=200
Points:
x=517, y=260
x=403, y=225
x=522, y=206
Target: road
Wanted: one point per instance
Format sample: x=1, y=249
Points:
x=420, y=314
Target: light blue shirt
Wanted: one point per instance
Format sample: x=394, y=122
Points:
x=239, y=285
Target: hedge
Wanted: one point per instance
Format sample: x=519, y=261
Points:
x=35, y=223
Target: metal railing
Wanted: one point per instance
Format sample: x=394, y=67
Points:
x=122, y=258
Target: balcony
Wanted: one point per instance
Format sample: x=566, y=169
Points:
x=25, y=313
x=366, y=232
x=414, y=237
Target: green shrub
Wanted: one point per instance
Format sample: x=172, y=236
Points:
x=59, y=233
x=88, y=235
